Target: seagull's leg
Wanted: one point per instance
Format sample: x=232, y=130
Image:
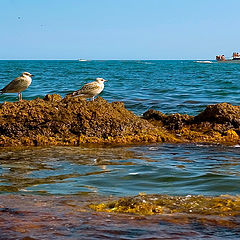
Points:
x=19, y=96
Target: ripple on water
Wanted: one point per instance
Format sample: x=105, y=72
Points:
x=158, y=168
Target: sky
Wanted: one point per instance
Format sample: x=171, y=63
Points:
x=118, y=29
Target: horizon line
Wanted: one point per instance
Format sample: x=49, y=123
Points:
x=104, y=59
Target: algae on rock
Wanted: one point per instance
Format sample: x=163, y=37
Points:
x=219, y=123
x=224, y=205
x=57, y=121
x=72, y=121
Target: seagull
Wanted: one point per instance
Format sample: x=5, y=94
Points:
x=90, y=90
x=18, y=85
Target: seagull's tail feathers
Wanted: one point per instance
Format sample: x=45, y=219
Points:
x=76, y=94
x=79, y=95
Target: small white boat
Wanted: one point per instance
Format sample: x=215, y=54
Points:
x=82, y=60
x=203, y=61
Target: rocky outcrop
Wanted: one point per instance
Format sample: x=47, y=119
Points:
x=72, y=121
x=54, y=121
x=173, y=121
x=219, y=123
x=223, y=113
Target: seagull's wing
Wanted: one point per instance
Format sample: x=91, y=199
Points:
x=14, y=84
x=86, y=89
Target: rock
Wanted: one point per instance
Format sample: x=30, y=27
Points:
x=54, y=120
x=219, y=123
x=152, y=114
x=72, y=121
x=172, y=121
x=52, y=98
x=220, y=113
x=155, y=204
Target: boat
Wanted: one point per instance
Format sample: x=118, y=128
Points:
x=82, y=60
x=205, y=61
x=235, y=58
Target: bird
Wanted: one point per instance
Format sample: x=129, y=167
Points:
x=18, y=85
x=90, y=90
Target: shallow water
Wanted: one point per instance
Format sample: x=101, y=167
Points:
x=40, y=181
x=52, y=187
x=50, y=217
x=121, y=171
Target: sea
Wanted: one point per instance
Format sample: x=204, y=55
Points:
x=38, y=176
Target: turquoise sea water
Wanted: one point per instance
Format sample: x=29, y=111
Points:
x=169, y=86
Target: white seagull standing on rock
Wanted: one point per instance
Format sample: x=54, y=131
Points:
x=90, y=90
x=18, y=85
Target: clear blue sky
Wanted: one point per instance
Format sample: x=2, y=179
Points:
x=118, y=29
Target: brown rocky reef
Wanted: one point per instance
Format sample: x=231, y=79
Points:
x=72, y=121
x=218, y=123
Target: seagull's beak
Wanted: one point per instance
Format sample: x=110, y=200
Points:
x=105, y=80
x=32, y=75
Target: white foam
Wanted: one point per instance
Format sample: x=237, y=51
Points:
x=153, y=148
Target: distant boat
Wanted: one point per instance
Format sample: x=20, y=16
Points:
x=235, y=58
x=82, y=60
x=203, y=61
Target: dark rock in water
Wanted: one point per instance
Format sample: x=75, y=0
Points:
x=177, y=121
x=218, y=123
x=72, y=121
x=152, y=114
x=220, y=113
x=172, y=121
x=54, y=120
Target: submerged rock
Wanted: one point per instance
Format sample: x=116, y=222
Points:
x=224, y=205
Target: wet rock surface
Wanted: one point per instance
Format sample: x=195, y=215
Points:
x=223, y=113
x=72, y=121
x=53, y=121
x=143, y=204
x=219, y=123
x=173, y=121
